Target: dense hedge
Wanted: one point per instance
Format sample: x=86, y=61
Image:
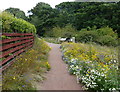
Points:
x=12, y=24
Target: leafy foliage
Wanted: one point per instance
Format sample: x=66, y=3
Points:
x=84, y=14
x=107, y=40
x=79, y=14
x=11, y=24
x=94, y=21
x=17, y=13
x=87, y=36
x=67, y=31
x=42, y=17
x=103, y=36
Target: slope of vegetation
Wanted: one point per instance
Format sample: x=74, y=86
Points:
x=27, y=68
x=95, y=66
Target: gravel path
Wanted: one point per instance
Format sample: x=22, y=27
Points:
x=58, y=77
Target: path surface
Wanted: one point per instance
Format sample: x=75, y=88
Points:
x=58, y=77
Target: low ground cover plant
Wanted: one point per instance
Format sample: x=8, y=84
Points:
x=22, y=74
x=95, y=66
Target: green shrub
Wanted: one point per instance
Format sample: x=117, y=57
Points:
x=87, y=36
x=7, y=19
x=106, y=36
x=103, y=36
x=106, y=31
x=107, y=40
x=67, y=31
x=57, y=31
x=11, y=24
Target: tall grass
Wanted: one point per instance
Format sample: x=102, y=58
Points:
x=22, y=74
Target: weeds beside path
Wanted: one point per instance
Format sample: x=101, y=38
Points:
x=28, y=68
x=58, y=77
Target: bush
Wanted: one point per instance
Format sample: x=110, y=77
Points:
x=107, y=31
x=107, y=40
x=67, y=31
x=87, y=36
x=11, y=24
x=106, y=36
x=57, y=32
x=103, y=36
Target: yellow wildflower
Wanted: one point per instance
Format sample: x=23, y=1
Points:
x=88, y=71
x=14, y=77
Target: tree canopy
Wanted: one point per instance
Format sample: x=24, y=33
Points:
x=79, y=14
x=42, y=17
x=17, y=13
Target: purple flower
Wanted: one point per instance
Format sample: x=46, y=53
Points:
x=26, y=80
x=23, y=85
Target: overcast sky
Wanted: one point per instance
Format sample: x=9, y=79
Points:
x=26, y=5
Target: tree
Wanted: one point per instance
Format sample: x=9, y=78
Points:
x=17, y=13
x=42, y=17
x=84, y=14
x=79, y=14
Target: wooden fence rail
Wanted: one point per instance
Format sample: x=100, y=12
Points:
x=12, y=45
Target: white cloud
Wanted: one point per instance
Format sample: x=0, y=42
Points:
x=26, y=5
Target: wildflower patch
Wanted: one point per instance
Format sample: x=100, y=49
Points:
x=93, y=67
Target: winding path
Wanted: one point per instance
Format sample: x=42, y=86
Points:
x=58, y=77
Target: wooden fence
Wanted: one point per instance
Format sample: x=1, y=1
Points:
x=12, y=45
